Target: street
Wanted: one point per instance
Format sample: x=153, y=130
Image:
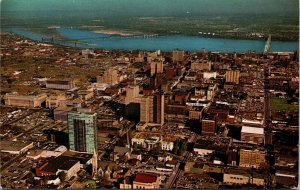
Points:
x=177, y=170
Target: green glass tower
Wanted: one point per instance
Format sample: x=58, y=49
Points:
x=82, y=131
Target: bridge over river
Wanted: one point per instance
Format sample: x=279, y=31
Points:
x=267, y=45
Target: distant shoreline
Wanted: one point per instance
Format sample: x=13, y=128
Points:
x=112, y=32
x=121, y=33
x=78, y=44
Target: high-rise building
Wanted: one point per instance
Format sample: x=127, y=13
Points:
x=151, y=56
x=132, y=94
x=233, y=76
x=159, y=108
x=145, y=109
x=252, y=158
x=156, y=67
x=110, y=76
x=178, y=56
x=152, y=109
x=82, y=131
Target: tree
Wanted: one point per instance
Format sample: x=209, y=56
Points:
x=91, y=185
x=182, y=147
x=62, y=176
x=135, y=146
x=176, y=147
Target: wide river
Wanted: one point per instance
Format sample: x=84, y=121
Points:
x=89, y=39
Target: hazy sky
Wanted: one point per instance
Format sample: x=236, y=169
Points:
x=108, y=8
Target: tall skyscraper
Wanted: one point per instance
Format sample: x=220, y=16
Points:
x=233, y=76
x=156, y=67
x=145, y=109
x=132, y=93
x=152, y=109
x=82, y=131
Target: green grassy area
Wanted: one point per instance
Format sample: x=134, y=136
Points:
x=280, y=104
x=90, y=184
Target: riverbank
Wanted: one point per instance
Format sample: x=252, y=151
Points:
x=91, y=40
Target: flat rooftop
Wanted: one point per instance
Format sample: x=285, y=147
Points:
x=61, y=162
x=64, y=108
x=254, y=130
x=82, y=157
x=13, y=145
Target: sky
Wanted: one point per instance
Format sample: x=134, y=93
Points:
x=155, y=8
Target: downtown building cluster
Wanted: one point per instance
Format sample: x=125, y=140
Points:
x=151, y=120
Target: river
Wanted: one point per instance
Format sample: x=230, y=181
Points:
x=89, y=39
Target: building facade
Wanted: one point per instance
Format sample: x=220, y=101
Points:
x=29, y=101
x=208, y=75
x=252, y=134
x=201, y=65
x=233, y=76
x=132, y=94
x=61, y=113
x=55, y=101
x=195, y=114
x=82, y=131
x=208, y=127
x=152, y=109
x=237, y=177
x=156, y=67
x=165, y=145
x=60, y=84
x=252, y=158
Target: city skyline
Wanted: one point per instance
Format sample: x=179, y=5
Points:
x=138, y=94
